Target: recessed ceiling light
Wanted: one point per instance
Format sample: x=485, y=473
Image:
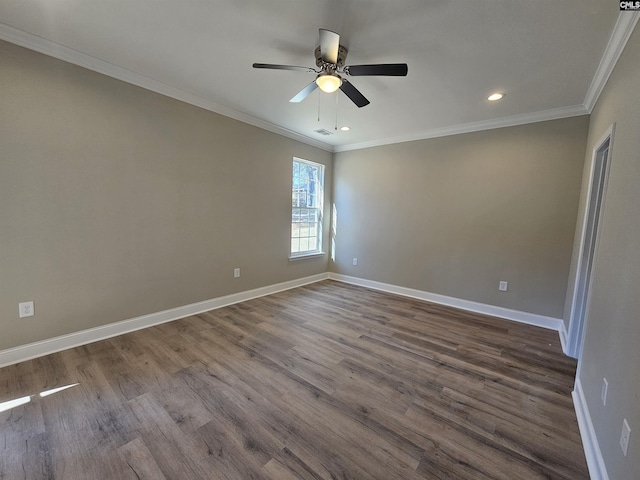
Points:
x=345, y=128
x=495, y=96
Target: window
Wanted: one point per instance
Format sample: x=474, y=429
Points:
x=307, y=192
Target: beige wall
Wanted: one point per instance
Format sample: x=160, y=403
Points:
x=456, y=215
x=612, y=337
x=117, y=202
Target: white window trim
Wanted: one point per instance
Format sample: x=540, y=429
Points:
x=320, y=251
x=302, y=256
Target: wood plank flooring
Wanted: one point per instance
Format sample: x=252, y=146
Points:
x=327, y=381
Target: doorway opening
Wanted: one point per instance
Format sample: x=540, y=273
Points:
x=590, y=226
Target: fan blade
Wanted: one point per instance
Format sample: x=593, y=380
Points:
x=329, y=43
x=386, y=69
x=354, y=94
x=283, y=67
x=304, y=92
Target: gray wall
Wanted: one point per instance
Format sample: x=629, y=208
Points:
x=117, y=202
x=612, y=338
x=456, y=215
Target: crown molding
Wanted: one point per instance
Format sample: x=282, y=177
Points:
x=621, y=32
x=511, y=121
x=69, y=55
x=620, y=35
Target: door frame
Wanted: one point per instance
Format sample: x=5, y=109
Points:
x=580, y=303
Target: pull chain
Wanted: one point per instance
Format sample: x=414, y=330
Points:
x=336, y=127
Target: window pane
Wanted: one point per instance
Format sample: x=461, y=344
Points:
x=306, y=203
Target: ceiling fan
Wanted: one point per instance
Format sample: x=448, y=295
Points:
x=330, y=58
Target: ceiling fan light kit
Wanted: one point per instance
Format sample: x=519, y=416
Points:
x=328, y=82
x=330, y=59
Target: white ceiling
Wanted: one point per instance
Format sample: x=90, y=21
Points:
x=543, y=53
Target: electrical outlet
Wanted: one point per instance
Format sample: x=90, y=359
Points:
x=624, y=437
x=503, y=286
x=605, y=388
x=236, y=273
x=355, y=261
x=25, y=309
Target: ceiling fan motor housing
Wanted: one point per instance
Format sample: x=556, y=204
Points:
x=342, y=57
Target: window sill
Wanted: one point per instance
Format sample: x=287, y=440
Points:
x=304, y=256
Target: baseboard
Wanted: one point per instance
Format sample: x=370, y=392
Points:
x=52, y=345
x=563, y=338
x=595, y=462
x=550, y=323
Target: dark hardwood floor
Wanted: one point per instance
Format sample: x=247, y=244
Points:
x=327, y=381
